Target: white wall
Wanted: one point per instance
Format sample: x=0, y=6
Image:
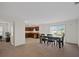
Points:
x=70, y=30
x=78, y=32
x=78, y=23
x=19, y=32
x=44, y=28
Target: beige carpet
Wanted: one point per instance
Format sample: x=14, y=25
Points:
x=33, y=48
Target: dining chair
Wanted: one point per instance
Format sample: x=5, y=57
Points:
x=0, y=38
x=50, y=39
x=61, y=41
x=42, y=38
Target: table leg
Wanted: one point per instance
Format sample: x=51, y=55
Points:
x=44, y=41
x=59, y=44
x=62, y=44
x=40, y=40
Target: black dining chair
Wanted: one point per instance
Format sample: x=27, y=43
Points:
x=42, y=38
x=0, y=38
x=50, y=39
x=61, y=41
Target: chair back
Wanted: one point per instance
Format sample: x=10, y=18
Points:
x=49, y=35
x=0, y=37
x=63, y=37
x=42, y=36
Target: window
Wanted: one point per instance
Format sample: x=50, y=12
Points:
x=1, y=30
x=57, y=30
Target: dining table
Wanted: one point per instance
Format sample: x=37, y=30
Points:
x=54, y=38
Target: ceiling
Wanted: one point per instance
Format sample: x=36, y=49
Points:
x=39, y=12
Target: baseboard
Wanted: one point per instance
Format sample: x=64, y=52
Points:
x=19, y=45
x=71, y=43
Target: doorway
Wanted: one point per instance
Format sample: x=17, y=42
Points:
x=5, y=35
